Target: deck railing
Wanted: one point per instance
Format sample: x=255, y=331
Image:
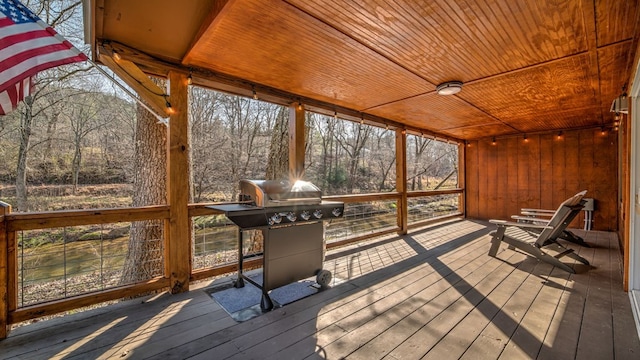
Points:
x=58, y=261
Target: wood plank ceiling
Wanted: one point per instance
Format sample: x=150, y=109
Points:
x=527, y=66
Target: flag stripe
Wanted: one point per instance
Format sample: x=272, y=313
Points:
x=5, y=21
x=11, y=39
x=35, y=43
x=32, y=54
x=42, y=62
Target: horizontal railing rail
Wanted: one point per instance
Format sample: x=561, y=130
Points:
x=418, y=193
x=44, y=220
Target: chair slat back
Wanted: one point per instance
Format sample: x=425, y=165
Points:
x=561, y=218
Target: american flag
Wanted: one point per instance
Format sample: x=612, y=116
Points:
x=27, y=46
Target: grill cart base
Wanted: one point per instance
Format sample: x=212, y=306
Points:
x=291, y=253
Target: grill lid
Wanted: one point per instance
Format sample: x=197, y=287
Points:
x=279, y=192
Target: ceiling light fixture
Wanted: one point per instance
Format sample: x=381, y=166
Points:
x=449, y=88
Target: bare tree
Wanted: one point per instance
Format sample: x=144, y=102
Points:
x=383, y=156
x=207, y=143
x=26, y=121
x=84, y=119
x=278, y=162
x=430, y=158
x=352, y=138
x=325, y=170
x=420, y=145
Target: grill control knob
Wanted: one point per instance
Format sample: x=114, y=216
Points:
x=336, y=212
x=291, y=216
x=305, y=215
x=276, y=218
x=317, y=214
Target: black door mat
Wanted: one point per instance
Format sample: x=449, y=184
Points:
x=244, y=303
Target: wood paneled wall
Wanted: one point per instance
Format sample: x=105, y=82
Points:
x=541, y=172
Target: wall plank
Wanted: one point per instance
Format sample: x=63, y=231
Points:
x=492, y=178
x=484, y=148
x=546, y=168
x=502, y=179
x=471, y=180
x=604, y=176
x=513, y=207
x=586, y=166
x=541, y=173
x=532, y=149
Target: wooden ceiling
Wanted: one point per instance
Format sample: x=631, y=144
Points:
x=527, y=66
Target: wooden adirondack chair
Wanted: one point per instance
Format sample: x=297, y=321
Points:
x=540, y=240
x=543, y=216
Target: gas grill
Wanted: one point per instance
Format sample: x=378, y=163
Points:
x=290, y=216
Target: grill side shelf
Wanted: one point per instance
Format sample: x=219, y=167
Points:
x=244, y=215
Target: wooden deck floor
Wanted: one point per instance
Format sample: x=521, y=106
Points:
x=432, y=294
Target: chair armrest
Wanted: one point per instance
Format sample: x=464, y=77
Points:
x=505, y=223
x=529, y=218
x=539, y=211
x=536, y=214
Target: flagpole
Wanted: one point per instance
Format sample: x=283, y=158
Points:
x=162, y=120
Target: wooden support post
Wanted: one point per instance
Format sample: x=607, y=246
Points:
x=461, y=178
x=296, y=141
x=4, y=272
x=178, y=231
x=401, y=179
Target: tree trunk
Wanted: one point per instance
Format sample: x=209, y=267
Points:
x=26, y=120
x=75, y=166
x=145, y=256
x=278, y=163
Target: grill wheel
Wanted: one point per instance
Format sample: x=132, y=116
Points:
x=323, y=278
